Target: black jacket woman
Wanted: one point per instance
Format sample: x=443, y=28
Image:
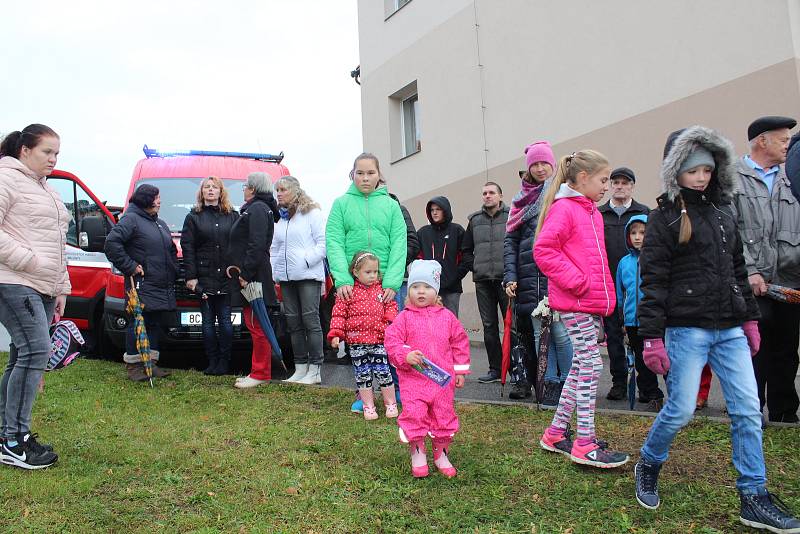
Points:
x=141, y=246
x=250, y=240
x=526, y=283
x=204, y=242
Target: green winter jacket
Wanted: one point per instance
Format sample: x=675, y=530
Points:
x=371, y=222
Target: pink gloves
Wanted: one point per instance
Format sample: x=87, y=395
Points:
x=655, y=356
x=753, y=336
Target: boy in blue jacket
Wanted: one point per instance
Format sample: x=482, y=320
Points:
x=628, y=294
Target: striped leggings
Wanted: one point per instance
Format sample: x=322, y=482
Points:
x=580, y=389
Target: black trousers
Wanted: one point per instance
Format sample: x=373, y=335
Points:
x=646, y=380
x=491, y=297
x=776, y=362
x=615, y=337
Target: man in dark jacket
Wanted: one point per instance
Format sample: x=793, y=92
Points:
x=768, y=217
x=616, y=213
x=483, y=249
x=442, y=240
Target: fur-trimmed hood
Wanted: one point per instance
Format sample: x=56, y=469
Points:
x=723, y=180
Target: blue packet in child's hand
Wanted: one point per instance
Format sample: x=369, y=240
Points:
x=434, y=372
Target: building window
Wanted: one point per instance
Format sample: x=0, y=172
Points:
x=405, y=131
x=390, y=7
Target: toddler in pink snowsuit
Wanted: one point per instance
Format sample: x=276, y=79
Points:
x=427, y=329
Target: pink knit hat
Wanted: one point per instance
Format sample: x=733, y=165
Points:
x=539, y=151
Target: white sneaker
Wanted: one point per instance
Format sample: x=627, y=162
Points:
x=248, y=382
x=300, y=371
x=313, y=376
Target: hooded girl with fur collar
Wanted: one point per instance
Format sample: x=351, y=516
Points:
x=695, y=288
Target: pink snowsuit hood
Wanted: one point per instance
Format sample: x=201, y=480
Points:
x=570, y=250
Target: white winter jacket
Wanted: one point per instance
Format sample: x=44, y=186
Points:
x=298, y=248
x=33, y=231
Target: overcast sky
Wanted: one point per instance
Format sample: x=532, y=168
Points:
x=250, y=75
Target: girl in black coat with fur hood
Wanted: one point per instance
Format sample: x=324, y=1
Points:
x=697, y=296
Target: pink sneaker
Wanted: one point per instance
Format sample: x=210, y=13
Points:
x=370, y=413
x=391, y=411
x=561, y=444
x=596, y=454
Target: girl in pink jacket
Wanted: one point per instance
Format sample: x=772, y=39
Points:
x=427, y=330
x=570, y=250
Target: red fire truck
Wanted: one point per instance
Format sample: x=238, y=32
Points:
x=97, y=302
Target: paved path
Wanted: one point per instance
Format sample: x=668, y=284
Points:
x=342, y=376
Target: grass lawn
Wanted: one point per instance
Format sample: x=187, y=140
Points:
x=196, y=455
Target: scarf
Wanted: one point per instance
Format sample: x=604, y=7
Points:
x=522, y=205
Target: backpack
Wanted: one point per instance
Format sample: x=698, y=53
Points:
x=66, y=342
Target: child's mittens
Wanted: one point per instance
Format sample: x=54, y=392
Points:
x=753, y=336
x=655, y=356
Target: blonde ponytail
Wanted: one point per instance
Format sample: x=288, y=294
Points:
x=685, y=233
x=550, y=194
x=588, y=161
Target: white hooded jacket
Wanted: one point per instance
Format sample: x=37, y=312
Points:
x=298, y=248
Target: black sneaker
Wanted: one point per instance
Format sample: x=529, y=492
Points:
x=646, y=477
x=618, y=392
x=655, y=405
x=767, y=512
x=493, y=376
x=552, y=393
x=597, y=454
x=27, y=453
x=35, y=443
x=519, y=391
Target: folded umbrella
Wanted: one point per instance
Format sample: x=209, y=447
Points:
x=254, y=293
x=541, y=364
x=545, y=315
x=505, y=362
x=631, y=376
x=135, y=308
x=783, y=294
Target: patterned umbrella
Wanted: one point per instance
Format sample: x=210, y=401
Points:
x=783, y=294
x=545, y=315
x=135, y=308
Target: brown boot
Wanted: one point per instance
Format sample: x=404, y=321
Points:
x=158, y=372
x=136, y=372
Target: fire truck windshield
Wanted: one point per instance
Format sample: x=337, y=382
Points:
x=178, y=196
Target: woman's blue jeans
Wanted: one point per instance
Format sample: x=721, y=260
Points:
x=729, y=356
x=26, y=314
x=559, y=353
x=217, y=326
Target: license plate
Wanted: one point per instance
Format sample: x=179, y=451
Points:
x=196, y=318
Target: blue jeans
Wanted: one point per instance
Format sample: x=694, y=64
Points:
x=26, y=314
x=729, y=356
x=400, y=297
x=216, y=311
x=559, y=353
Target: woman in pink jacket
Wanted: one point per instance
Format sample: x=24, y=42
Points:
x=570, y=250
x=427, y=330
x=34, y=283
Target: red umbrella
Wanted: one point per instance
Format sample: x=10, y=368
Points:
x=505, y=363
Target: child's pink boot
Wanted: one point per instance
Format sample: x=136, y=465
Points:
x=419, y=460
x=440, y=449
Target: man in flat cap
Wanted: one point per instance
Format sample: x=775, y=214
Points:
x=616, y=213
x=769, y=222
